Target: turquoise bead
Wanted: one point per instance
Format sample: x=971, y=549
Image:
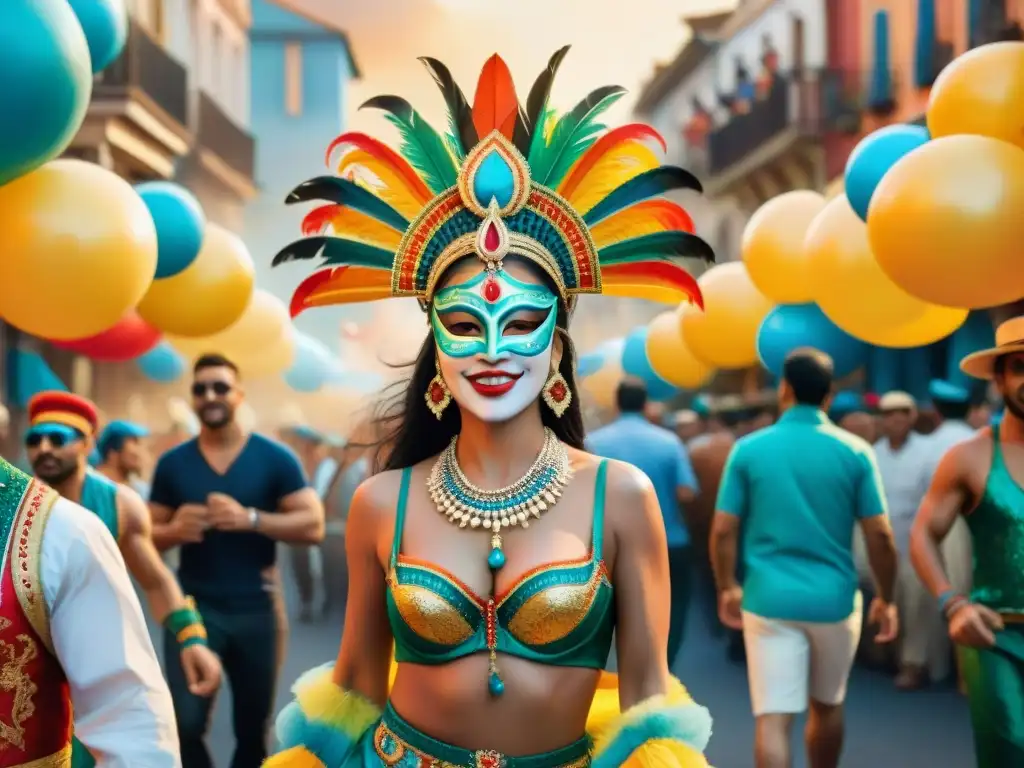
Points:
x=494, y=179
x=495, y=684
x=496, y=559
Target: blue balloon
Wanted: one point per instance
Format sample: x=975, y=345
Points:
x=635, y=363
x=28, y=374
x=314, y=365
x=162, y=363
x=46, y=83
x=105, y=23
x=873, y=157
x=179, y=221
x=791, y=326
x=589, y=364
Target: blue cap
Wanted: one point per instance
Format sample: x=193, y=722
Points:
x=115, y=433
x=845, y=403
x=947, y=393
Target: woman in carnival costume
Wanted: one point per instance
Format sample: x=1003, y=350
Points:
x=500, y=611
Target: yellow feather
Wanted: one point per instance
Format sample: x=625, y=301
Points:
x=631, y=222
x=356, y=225
x=382, y=181
x=296, y=757
x=617, y=167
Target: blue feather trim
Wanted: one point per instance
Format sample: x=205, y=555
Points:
x=331, y=746
x=687, y=723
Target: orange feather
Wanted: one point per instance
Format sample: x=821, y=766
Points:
x=660, y=281
x=348, y=222
x=380, y=179
x=643, y=218
x=387, y=156
x=340, y=285
x=604, y=145
x=495, y=105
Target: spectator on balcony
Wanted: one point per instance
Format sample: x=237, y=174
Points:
x=746, y=91
x=769, y=68
x=698, y=126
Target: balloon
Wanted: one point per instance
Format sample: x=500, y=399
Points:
x=853, y=291
x=669, y=356
x=276, y=358
x=933, y=324
x=945, y=224
x=588, y=364
x=207, y=297
x=47, y=83
x=635, y=363
x=274, y=354
x=130, y=337
x=804, y=325
x=162, y=363
x=105, y=23
x=724, y=335
x=873, y=157
x=266, y=317
x=313, y=365
x=772, y=245
x=179, y=224
x=79, y=250
x=980, y=93
x=601, y=386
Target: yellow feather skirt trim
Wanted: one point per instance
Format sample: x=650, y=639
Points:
x=324, y=701
x=296, y=757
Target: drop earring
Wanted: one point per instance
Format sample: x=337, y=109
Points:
x=437, y=396
x=556, y=393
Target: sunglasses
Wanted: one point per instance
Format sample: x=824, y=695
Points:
x=58, y=436
x=219, y=388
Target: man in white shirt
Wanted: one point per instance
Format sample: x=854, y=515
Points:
x=903, y=456
x=73, y=624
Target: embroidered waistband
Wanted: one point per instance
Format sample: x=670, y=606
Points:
x=60, y=759
x=395, y=740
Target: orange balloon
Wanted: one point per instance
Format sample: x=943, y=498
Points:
x=854, y=292
x=209, y=295
x=946, y=222
x=669, y=356
x=724, y=335
x=773, y=246
x=981, y=92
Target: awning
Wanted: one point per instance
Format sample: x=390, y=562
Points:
x=924, y=50
x=27, y=375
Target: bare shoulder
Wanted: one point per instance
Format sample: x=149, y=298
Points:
x=133, y=512
x=629, y=499
x=376, y=498
x=970, y=455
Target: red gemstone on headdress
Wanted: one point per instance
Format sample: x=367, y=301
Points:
x=491, y=238
x=492, y=291
x=436, y=393
x=557, y=391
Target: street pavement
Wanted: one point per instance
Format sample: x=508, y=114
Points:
x=885, y=728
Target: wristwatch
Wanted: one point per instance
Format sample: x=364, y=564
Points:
x=254, y=518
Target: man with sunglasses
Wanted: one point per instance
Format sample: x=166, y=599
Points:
x=226, y=498
x=71, y=628
x=58, y=444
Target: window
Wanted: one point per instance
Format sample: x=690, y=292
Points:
x=293, y=79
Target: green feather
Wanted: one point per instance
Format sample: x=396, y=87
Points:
x=658, y=246
x=348, y=193
x=574, y=134
x=644, y=186
x=337, y=251
x=539, y=138
x=422, y=146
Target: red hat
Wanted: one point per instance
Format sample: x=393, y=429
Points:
x=63, y=408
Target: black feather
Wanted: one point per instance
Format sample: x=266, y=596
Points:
x=460, y=114
x=538, y=99
x=337, y=251
x=657, y=246
x=301, y=250
x=344, y=192
x=521, y=133
x=648, y=184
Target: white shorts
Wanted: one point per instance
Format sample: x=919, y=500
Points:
x=789, y=662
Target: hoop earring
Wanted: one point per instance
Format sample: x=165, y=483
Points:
x=556, y=393
x=437, y=396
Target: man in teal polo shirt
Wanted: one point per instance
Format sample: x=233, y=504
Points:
x=799, y=488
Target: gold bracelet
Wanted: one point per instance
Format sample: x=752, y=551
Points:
x=190, y=632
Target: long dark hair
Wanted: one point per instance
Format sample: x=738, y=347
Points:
x=411, y=433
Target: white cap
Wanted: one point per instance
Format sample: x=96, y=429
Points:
x=896, y=401
x=685, y=418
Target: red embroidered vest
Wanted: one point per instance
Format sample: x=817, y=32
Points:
x=35, y=703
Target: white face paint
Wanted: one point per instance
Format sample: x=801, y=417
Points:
x=494, y=338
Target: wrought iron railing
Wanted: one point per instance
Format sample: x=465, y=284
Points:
x=221, y=135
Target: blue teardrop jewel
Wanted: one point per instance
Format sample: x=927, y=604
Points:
x=495, y=685
x=494, y=180
x=496, y=560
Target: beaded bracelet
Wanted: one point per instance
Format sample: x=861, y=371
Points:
x=186, y=625
x=950, y=602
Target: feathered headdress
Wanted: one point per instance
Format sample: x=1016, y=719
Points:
x=583, y=204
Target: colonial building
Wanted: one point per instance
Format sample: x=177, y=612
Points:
x=303, y=68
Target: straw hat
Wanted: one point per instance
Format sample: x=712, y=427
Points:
x=896, y=401
x=1009, y=339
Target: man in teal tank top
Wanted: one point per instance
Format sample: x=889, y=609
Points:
x=982, y=478
x=58, y=443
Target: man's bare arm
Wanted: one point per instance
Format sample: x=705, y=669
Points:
x=142, y=558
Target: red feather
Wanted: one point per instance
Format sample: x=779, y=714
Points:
x=308, y=287
x=614, y=137
x=386, y=155
x=317, y=220
x=671, y=215
x=663, y=272
x=495, y=106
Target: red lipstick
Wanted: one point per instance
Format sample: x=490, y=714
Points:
x=493, y=383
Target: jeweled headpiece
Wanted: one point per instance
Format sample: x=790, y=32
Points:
x=586, y=208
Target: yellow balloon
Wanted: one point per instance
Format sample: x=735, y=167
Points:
x=266, y=317
x=724, y=335
x=946, y=222
x=670, y=357
x=77, y=250
x=773, y=246
x=933, y=324
x=208, y=296
x=275, y=358
x=600, y=387
x=981, y=92
x=854, y=292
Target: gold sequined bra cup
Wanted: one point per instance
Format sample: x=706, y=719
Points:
x=560, y=614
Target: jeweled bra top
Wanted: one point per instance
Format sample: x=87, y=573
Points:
x=560, y=614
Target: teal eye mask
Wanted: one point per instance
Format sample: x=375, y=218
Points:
x=503, y=298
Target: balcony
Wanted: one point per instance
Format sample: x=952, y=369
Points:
x=219, y=135
x=744, y=133
x=145, y=72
